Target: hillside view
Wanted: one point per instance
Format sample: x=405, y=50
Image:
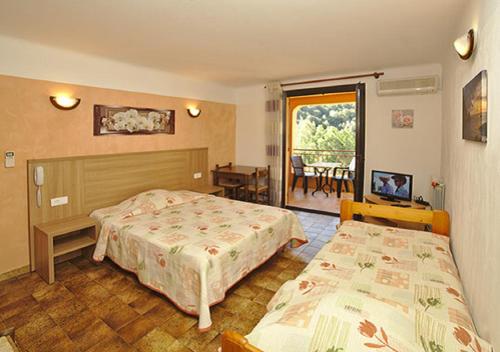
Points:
x=326, y=127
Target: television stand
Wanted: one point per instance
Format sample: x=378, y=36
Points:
x=374, y=199
x=390, y=199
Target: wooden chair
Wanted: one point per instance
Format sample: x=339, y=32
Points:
x=347, y=177
x=261, y=184
x=231, y=185
x=298, y=171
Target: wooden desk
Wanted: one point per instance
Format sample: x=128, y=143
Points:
x=375, y=199
x=236, y=171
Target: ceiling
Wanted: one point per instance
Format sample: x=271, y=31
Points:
x=241, y=42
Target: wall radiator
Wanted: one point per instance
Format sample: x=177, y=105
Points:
x=438, y=197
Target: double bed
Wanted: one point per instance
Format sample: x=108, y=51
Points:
x=371, y=288
x=192, y=247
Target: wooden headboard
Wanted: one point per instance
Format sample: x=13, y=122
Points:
x=93, y=182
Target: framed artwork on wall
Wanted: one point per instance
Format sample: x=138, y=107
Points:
x=129, y=120
x=475, y=109
x=402, y=118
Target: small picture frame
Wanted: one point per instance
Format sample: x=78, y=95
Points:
x=402, y=118
x=475, y=109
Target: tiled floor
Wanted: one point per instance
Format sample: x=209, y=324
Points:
x=318, y=201
x=102, y=308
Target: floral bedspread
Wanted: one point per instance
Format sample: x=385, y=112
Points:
x=195, y=251
x=372, y=288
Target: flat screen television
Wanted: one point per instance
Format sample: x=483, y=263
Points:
x=391, y=185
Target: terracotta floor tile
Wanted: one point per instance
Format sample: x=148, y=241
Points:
x=102, y=308
x=24, y=318
x=52, y=295
x=78, y=322
x=53, y=340
x=114, y=344
x=157, y=340
x=62, y=311
x=38, y=324
x=161, y=312
x=17, y=307
x=91, y=335
x=247, y=291
x=115, y=313
x=136, y=329
x=145, y=302
x=264, y=297
x=92, y=293
x=196, y=340
x=178, y=347
x=109, y=279
x=179, y=323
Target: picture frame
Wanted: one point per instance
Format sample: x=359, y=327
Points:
x=128, y=120
x=402, y=118
x=475, y=109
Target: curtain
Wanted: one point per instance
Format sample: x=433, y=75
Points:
x=274, y=138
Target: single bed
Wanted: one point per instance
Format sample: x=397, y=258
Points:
x=371, y=288
x=192, y=247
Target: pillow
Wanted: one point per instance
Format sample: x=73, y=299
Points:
x=155, y=200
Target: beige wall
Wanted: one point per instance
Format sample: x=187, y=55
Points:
x=33, y=128
x=415, y=151
x=471, y=170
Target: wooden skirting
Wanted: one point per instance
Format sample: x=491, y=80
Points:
x=14, y=273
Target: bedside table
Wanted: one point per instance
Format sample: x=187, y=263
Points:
x=59, y=237
x=207, y=189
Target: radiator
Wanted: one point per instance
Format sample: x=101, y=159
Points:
x=438, y=197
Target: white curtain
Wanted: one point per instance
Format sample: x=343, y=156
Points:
x=274, y=138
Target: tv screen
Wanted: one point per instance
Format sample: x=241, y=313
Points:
x=391, y=185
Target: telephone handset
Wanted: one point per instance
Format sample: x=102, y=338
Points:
x=39, y=178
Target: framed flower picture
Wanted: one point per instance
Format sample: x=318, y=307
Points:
x=402, y=118
x=129, y=120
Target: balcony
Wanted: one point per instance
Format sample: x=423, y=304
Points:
x=319, y=201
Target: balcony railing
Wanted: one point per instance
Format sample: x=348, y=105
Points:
x=310, y=156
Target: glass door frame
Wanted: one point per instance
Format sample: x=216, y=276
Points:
x=360, y=89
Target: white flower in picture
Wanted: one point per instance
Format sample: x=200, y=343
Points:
x=130, y=120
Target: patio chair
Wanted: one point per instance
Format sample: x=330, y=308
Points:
x=346, y=176
x=298, y=171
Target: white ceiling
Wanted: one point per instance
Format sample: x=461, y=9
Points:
x=240, y=42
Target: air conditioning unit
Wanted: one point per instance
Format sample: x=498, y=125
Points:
x=419, y=85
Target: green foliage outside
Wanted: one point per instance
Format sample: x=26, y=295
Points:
x=326, y=127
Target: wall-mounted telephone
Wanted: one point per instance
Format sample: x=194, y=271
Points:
x=39, y=183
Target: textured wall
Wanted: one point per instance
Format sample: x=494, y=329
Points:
x=34, y=129
x=472, y=170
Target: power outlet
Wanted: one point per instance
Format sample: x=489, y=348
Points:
x=54, y=202
x=197, y=175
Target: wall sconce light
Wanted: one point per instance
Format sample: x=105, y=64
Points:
x=194, y=112
x=464, y=45
x=64, y=102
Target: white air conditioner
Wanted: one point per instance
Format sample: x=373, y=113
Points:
x=419, y=85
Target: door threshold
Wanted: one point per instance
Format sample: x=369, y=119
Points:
x=307, y=210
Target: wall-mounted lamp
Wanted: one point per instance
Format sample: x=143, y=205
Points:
x=194, y=112
x=64, y=102
x=464, y=45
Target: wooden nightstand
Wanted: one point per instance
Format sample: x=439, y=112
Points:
x=59, y=237
x=207, y=189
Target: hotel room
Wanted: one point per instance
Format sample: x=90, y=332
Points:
x=229, y=175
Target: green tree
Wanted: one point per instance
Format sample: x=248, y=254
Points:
x=327, y=127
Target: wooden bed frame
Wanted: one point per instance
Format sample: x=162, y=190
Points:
x=439, y=220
